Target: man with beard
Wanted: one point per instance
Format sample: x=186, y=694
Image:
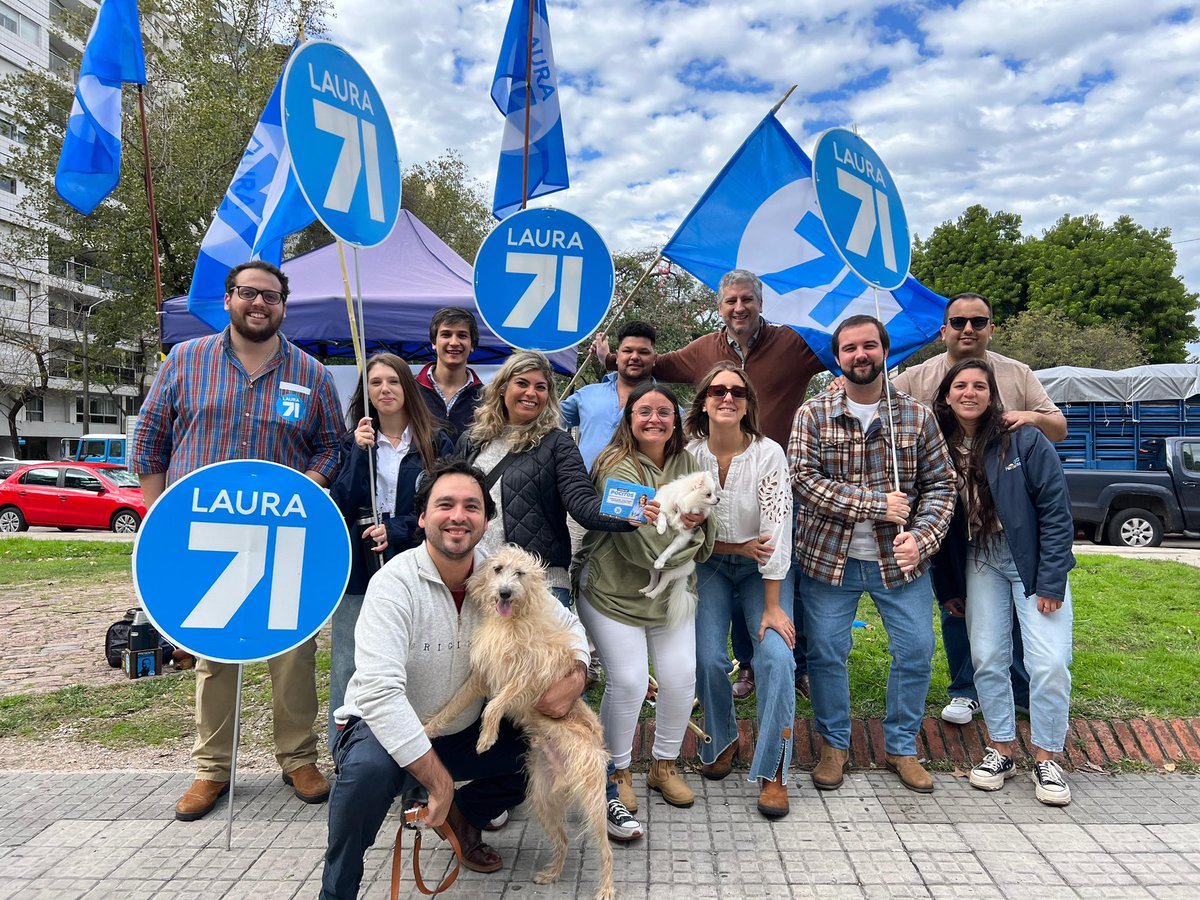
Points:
x=863, y=532
x=218, y=398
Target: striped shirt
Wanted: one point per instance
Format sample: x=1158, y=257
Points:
x=205, y=408
x=842, y=475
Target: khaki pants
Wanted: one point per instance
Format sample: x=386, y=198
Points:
x=294, y=711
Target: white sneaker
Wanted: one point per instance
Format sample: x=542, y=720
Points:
x=622, y=827
x=1049, y=785
x=995, y=769
x=497, y=823
x=960, y=710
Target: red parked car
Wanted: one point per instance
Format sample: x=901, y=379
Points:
x=70, y=496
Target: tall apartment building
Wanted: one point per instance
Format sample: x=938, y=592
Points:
x=47, y=297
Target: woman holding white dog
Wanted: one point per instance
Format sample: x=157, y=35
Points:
x=746, y=576
x=624, y=624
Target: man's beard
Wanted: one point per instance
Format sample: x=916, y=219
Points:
x=876, y=369
x=257, y=337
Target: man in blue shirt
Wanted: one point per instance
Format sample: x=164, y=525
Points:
x=596, y=409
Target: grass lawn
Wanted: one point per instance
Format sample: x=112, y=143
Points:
x=1137, y=639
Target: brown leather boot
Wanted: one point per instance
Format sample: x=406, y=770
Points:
x=200, y=799
x=912, y=774
x=476, y=855
x=773, y=797
x=308, y=783
x=664, y=778
x=722, y=765
x=624, y=783
x=831, y=768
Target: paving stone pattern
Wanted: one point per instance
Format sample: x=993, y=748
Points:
x=112, y=835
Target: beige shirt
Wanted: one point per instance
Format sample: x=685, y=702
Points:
x=1019, y=388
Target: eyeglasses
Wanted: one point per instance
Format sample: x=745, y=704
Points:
x=247, y=293
x=718, y=392
x=646, y=412
x=958, y=323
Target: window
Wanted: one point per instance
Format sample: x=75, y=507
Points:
x=8, y=292
x=35, y=410
x=18, y=24
x=1191, y=456
x=79, y=480
x=40, y=478
x=104, y=411
x=8, y=184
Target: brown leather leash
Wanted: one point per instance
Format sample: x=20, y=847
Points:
x=414, y=821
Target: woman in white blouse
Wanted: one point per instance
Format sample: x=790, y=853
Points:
x=747, y=576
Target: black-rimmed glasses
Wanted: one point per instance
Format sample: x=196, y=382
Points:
x=247, y=293
x=958, y=323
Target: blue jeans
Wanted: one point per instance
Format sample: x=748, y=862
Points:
x=994, y=591
x=341, y=656
x=829, y=611
x=739, y=636
x=962, y=671
x=731, y=590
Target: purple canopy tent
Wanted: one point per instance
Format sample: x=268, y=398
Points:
x=405, y=280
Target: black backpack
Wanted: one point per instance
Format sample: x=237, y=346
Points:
x=116, y=639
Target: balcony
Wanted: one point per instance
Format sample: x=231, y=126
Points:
x=82, y=273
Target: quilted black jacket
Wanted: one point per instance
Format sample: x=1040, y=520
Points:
x=537, y=491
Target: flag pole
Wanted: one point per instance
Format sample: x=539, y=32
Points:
x=528, y=102
x=153, y=215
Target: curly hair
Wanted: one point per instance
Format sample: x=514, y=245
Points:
x=491, y=416
x=697, y=417
x=624, y=445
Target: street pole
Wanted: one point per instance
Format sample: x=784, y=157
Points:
x=87, y=385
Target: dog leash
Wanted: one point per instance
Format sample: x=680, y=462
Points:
x=414, y=820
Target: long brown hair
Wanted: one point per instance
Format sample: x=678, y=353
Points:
x=697, y=419
x=970, y=462
x=624, y=445
x=420, y=420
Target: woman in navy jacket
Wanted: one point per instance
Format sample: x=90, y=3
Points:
x=402, y=436
x=1012, y=535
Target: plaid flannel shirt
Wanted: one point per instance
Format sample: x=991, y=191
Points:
x=841, y=476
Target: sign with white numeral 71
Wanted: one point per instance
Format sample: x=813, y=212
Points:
x=241, y=561
x=861, y=209
x=543, y=280
x=341, y=142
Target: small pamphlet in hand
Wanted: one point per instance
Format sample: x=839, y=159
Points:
x=625, y=500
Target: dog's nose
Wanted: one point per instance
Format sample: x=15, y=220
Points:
x=505, y=594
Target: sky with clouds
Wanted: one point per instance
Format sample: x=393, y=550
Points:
x=1038, y=107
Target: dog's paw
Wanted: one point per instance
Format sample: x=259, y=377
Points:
x=660, y=564
x=548, y=875
x=485, y=743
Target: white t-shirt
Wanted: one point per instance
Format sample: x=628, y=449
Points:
x=862, y=540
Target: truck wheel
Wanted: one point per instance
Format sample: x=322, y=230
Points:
x=1135, y=528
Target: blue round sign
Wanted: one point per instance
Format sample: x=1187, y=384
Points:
x=543, y=280
x=241, y=561
x=861, y=209
x=341, y=142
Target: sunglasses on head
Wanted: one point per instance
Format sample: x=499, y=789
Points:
x=958, y=323
x=718, y=392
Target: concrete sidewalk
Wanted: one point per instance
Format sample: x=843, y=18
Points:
x=1131, y=836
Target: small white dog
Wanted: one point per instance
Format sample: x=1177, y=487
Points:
x=690, y=494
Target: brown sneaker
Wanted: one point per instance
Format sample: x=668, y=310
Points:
x=831, y=769
x=664, y=777
x=200, y=799
x=308, y=783
x=624, y=783
x=722, y=765
x=773, y=797
x=743, y=685
x=912, y=774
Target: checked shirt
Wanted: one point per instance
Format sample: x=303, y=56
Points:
x=842, y=476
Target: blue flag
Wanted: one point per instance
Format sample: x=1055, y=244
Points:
x=760, y=213
x=547, y=153
x=263, y=205
x=89, y=166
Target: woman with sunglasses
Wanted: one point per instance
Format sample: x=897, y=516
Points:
x=747, y=576
x=395, y=428
x=1012, y=533
x=625, y=625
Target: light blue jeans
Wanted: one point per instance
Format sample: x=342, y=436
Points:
x=907, y=613
x=994, y=590
x=731, y=586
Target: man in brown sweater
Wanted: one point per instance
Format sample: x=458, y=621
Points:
x=778, y=361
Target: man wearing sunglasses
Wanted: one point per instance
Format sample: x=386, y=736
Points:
x=246, y=393
x=966, y=333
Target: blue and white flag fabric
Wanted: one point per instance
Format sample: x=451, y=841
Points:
x=89, y=166
x=760, y=213
x=264, y=204
x=547, y=152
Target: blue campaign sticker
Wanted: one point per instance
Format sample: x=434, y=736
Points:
x=290, y=407
x=861, y=208
x=241, y=561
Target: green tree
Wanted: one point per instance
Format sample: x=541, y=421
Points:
x=444, y=195
x=1043, y=338
x=1122, y=273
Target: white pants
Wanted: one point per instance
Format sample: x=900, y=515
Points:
x=623, y=651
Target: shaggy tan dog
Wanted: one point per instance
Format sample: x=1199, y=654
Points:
x=519, y=650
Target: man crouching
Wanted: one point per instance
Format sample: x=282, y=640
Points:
x=412, y=653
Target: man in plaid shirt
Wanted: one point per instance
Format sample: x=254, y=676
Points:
x=246, y=393
x=859, y=531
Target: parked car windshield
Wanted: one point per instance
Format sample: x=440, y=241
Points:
x=122, y=478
